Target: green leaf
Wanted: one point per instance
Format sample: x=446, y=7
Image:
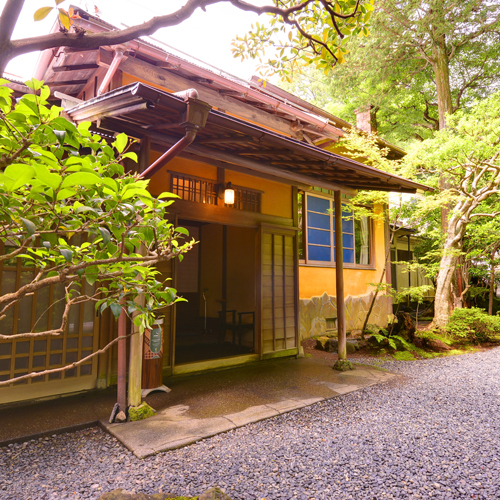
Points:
x=52, y=180
x=120, y=142
x=83, y=209
x=42, y=13
x=106, y=236
x=30, y=227
x=167, y=195
x=20, y=174
x=91, y=274
x=66, y=253
x=111, y=183
x=116, y=309
x=131, y=155
x=65, y=193
x=64, y=18
x=61, y=135
x=82, y=179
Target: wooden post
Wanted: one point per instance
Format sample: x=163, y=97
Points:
x=122, y=362
x=135, y=365
x=342, y=364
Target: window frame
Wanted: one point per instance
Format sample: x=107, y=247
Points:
x=305, y=261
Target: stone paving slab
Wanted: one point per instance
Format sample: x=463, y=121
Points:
x=215, y=403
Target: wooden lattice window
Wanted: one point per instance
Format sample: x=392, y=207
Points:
x=201, y=190
x=246, y=199
x=194, y=189
x=40, y=312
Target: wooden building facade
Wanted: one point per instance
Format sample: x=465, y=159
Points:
x=256, y=259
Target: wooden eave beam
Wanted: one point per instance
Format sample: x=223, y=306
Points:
x=66, y=82
x=176, y=83
x=75, y=67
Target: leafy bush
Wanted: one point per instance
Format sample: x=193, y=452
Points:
x=473, y=324
x=395, y=342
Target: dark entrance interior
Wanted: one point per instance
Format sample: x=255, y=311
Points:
x=217, y=278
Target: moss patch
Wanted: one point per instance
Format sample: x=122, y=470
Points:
x=342, y=365
x=403, y=356
x=140, y=412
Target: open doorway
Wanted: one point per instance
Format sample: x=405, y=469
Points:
x=218, y=279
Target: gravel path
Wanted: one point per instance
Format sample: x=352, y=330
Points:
x=433, y=434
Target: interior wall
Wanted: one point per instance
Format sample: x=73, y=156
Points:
x=211, y=267
x=241, y=258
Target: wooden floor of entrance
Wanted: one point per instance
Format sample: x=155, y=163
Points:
x=218, y=280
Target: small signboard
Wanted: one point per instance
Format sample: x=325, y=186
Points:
x=155, y=342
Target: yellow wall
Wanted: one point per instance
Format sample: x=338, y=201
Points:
x=314, y=281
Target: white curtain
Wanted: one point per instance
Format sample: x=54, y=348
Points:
x=364, y=256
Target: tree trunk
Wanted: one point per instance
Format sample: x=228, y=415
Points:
x=441, y=66
x=443, y=290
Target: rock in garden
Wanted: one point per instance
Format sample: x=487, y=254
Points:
x=321, y=342
x=437, y=345
x=214, y=494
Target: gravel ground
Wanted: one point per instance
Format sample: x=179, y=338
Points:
x=432, y=434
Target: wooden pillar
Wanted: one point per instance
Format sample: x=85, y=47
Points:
x=122, y=362
x=135, y=365
x=339, y=277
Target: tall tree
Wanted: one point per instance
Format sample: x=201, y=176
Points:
x=295, y=20
x=422, y=60
x=466, y=154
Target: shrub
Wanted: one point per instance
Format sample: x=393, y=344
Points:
x=473, y=324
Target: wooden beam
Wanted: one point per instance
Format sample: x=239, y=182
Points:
x=176, y=83
x=226, y=156
x=260, y=152
x=204, y=212
x=224, y=140
x=66, y=82
x=76, y=67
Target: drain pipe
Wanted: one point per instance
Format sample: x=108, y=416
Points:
x=195, y=117
x=188, y=138
x=117, y=59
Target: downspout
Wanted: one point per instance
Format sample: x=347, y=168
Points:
x=195, y=117
x=171, y=153
x=117, y=59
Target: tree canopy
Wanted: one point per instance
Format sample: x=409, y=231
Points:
x=312, y=29
x=421, y=61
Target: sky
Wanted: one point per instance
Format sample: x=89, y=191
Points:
x=206, y=35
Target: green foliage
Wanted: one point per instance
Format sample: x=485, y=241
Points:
x=393, y=69
x=473, y=325
x=435, y=335
x=321, y=39
x=384, y=338
x=70, y=211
